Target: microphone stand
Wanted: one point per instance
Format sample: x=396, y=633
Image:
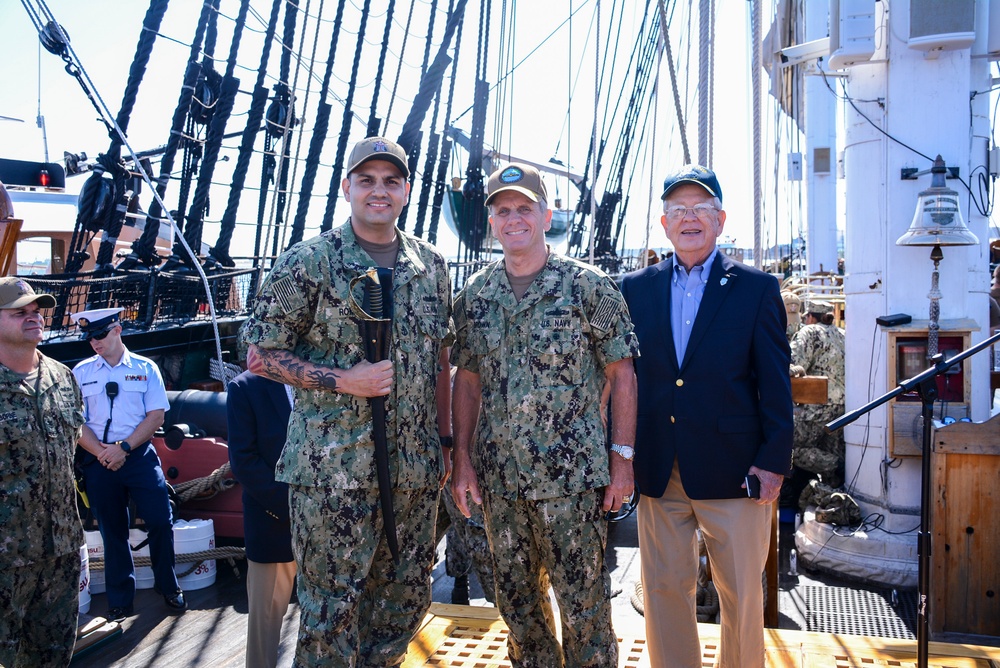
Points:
x=926, y=385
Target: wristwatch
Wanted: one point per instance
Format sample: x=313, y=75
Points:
x=626, y=452
x=126, y=446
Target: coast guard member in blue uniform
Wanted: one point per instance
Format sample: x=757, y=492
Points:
x=124, y=404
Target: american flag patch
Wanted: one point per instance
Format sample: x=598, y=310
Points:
x=605, y=314
x=284, y=291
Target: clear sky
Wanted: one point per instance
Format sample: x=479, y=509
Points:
x=104, y=33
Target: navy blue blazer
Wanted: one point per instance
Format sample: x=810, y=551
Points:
x=257, y=409
x=728, y=404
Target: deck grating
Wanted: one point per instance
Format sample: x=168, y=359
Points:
x=866, y=613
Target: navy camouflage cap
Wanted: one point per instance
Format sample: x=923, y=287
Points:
x=695, y=174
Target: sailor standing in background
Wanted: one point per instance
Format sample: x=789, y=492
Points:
x=124, y=403
x=40, y=418
x=258, y=410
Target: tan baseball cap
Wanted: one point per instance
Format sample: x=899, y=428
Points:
x=378, y=148
x=518, y=177
x=15, y=293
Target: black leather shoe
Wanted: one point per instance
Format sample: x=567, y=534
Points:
x=460, y=591
x=176, y=601
x=119, y=614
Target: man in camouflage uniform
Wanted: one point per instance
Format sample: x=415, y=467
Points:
x=358, y=607
x=537, y=335
x=818, y=350
x=41, y=412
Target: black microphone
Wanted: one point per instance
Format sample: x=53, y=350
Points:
x=111, y=388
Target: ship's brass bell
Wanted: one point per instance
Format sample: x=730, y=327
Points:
x=938, y=218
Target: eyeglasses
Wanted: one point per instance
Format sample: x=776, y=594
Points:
x=704, y=212
x=103, y=335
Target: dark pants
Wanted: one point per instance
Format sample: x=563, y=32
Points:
x=140, y=478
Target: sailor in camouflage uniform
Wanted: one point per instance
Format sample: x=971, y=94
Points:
x=537, y=335
x=818, y=350
x=358, y=608
x=41, y=412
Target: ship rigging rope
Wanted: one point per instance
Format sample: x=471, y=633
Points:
x=410, y=136
x=755, y=66
x=432, y=147
x=373, y=122
x=283, y=207
x=213, y=139
x=320, y=127
x=440, y=189
x=279, y=119
x=399, y=64
x=345, y=125
x=705, y=42
x=107, y=117
x=593, y=138
x=220, y=252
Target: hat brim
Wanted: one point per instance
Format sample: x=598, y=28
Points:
x=530, y=194
x=681, y=182
x=384, y=157
x=43, y=301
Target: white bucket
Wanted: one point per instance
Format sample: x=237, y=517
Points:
x=95, y=551
x=84, y=580
x=194, y=536
x=144, y=578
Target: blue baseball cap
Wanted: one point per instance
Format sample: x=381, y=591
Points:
x=695, y=174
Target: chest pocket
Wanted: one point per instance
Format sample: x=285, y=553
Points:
x=556, y=346
x=16, y=425
x=138, y=386
x=335, y=336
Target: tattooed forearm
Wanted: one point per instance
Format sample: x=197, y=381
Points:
x=284, y=367
x=323, y=378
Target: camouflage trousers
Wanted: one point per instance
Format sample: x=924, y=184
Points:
x=562, y=541
x=40, y=604
x=467, y=544
x=357, y=607
x=814, y=449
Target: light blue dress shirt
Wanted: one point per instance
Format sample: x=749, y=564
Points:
x=140, y=391
x=686, y=291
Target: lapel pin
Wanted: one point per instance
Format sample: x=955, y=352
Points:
x=724, y=280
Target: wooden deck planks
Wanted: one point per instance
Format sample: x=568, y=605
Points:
x=462, y=637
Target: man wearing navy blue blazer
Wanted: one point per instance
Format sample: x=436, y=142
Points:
x=715, y=406
x=258, y=410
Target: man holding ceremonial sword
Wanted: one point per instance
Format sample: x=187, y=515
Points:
x=363, y=487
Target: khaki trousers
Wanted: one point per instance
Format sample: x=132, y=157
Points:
x=269, y=589
x=736, y=533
